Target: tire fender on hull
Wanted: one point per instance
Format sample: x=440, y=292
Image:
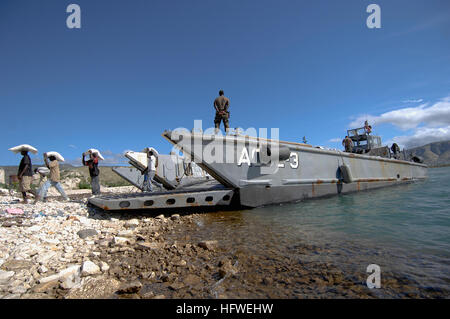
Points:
x=346, y=173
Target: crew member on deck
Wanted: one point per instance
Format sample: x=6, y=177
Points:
x=367, y=127
x=348, y=144
x=221, y=104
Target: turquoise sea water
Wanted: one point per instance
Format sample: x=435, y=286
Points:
x=404, y=229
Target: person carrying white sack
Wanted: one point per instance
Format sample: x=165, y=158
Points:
x=150, y=172
x=94, y=172
x=54, y=177
x=25, y=172
x=41, y=173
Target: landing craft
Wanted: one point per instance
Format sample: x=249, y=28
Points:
x=253, y=171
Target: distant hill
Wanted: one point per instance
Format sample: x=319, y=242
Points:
x=433, y=154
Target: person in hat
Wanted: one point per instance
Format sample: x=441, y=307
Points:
x=53, y=179
x=25, y=176
x=94, y=172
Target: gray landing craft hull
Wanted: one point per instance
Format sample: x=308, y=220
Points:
x=307, y=172
x=245, y=177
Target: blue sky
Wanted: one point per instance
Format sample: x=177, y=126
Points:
x=136, y=68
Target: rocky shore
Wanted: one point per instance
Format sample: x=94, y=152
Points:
x=70, y=250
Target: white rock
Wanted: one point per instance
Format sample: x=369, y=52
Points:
x=12, y=296
x=52, y=241
x=125, y=233
x=147, y=245
x=71, y=281
x=89, y=268
x=121, y=240
x=6, y=275
x=62, y=275
x=49, y=279
x=104, y=266
x=18, y=290
x=34, y=228
x=42, y=269
x=132, y=223
x=70, y=271
x=44, y=258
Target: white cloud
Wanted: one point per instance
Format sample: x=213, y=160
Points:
x=408, y=118
x=413, y=101
x=114, y=158
x=335, y=140
x=430, y=123
x=422, y=136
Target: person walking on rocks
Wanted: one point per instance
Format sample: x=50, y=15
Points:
x=94, y=172
x=150, y=172
x=42, y=175
x=24, y=175
x=221, y=104
x=54, y=179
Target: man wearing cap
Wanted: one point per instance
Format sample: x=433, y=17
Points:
x=24, y=175
x=94, y=172
x=221, y=104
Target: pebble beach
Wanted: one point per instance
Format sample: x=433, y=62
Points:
x=70, y=250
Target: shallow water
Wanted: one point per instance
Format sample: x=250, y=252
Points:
x=404, y=229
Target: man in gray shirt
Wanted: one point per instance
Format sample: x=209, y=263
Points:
x=221, y=104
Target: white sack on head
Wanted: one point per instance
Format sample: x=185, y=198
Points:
x=137, y=159
x=155, y=152
x=43, y=170
x=93, y=150
x=57, y=155
x=23, y=147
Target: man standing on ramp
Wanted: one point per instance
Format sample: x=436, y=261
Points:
x=221, y=104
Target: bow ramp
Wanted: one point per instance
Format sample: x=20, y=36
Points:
x=185, y=185
x=206, y=194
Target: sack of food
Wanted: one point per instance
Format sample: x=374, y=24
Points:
x=155, y=152
x=23, y=147
x=56, y=155
x=93, y=151
x=43, y=170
